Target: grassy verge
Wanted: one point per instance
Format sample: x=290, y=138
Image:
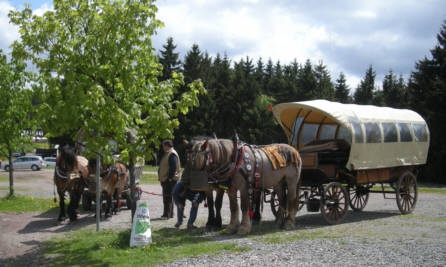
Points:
x=4, y=178
x=431, y=190
x=6, y=188
x=109, y=248
x=150, y=168
x=18, y=203
x=149, y=179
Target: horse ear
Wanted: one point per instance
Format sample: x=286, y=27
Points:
x=205, y=145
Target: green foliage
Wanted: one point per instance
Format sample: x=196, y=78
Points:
x=86, y=248
x=427, y=96
x=366, y=89
x=99, y=75
x=15, y=103
x=342, y=92
x=169, y=59
x=19, y=203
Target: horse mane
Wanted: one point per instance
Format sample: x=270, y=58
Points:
x=221, y=150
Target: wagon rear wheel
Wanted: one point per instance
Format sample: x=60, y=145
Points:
x=406, y=193
x=334, y=203
x=359, y=196
x=275, y=201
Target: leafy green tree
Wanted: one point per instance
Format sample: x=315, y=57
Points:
x=16, y=123
x=342, y=92
x=366, y=89
x=427, y=96
x=99, y=74
x=169, y=59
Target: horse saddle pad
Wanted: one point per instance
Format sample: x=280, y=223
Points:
x=279, y=156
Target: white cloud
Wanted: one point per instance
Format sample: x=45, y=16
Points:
x=8, y=32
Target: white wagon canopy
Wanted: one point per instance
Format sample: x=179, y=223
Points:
x=377, y=137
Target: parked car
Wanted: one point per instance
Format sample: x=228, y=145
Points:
x=17, y=154
x=50, y=161
x=34, y=163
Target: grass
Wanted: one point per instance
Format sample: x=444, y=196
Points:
x=150, y=168
x=4, y=178
x=6, y=188
x=148, y=179
x=18, y=203
x=432, y=190
x=110, y=248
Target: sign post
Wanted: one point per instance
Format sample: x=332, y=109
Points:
x=98, y=197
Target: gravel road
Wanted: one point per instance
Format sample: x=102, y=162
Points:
x=378, y=236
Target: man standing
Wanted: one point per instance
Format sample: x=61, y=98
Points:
x=169, y=173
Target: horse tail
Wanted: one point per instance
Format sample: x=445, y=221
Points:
x=298, y=166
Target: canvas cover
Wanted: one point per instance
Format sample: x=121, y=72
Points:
x=362, y=155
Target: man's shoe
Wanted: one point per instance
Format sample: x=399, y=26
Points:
x=164, y=217
x=177, y=225
x=191, y=227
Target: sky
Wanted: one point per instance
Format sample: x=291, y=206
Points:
x=345, y=35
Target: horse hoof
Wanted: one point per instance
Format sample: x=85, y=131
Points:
x=288, y=226
x=231, y=229
x=243, y=231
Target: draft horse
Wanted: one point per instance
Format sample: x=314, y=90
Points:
x=214, y=221
x=70, y=175
x=247, y=169
x=113, y=179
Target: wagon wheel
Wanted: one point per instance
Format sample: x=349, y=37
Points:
x=359, y=196
x=406, y=193
x=86, y=201
x=334, y=203
x=275, y=201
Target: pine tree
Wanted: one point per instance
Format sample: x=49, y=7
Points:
x=342, y=92
x=324, y=87
x=427, y=96
x=169, y=59
x=393, y=91
x=366, y=89
x=307, y=82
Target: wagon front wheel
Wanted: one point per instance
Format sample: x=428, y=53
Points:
x=334, y=203
x=359, y=196
x=406, y=193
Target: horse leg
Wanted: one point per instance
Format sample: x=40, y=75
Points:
x=62, y=215
x=108, y=198
x=218, y=205
x=72, y=206
x=211, y=214
x=115, y=208
x=257, y=215
x=292, y=203
x=281, y=212
x=233, y=206
x=245, y=226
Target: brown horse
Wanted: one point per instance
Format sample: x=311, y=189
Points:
x=214, y=221
x=70, y=175
x=247, y=169
x=112, y=183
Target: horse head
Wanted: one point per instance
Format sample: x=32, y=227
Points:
x=67, y=159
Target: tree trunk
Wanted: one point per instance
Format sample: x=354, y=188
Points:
x=11, y=173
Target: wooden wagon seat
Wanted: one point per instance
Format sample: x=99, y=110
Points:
x=328, y=151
